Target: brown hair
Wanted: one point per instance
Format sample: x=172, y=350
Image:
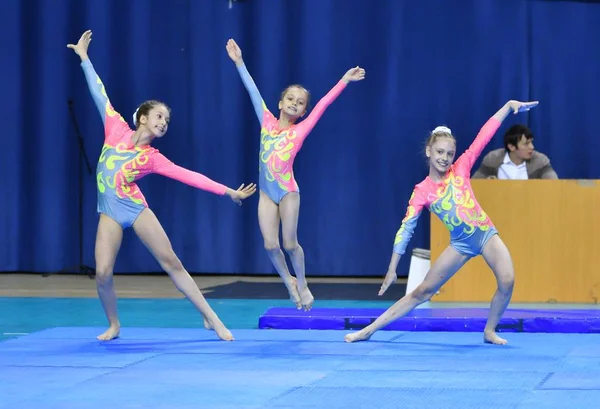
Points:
x=145, y=108
x=299, y=87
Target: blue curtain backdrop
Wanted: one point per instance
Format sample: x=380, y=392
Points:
x=452, y=62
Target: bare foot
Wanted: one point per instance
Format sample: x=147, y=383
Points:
x=111, y=333
x=292, y=286
x=361, y=335
x=223, y=332
x=492, y=338
x=306, y=297
x=220, y=329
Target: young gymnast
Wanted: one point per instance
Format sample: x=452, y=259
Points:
x=447, y=193
x=280, y=141
x=126, y=157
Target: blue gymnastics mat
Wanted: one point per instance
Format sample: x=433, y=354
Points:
x=434, y=319
x=189, y=368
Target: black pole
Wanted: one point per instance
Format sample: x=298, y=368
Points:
x=81, y=268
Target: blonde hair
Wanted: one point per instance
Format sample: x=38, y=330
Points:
x=439, y=132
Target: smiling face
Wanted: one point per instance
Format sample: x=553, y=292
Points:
x=294, y=101
x=154, y=117
x=157, y=121
x=440, y=149
x=441, y=153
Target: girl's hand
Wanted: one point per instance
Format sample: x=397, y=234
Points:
x=241, y=193
x=82, y=45
x=390, y=278
x=354, y=74
x=518, y=106
x=234, y=51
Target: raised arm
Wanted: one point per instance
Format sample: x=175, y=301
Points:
x=235, y=53
x=163, y=166
x=353, y=74
x=403, y=236
x=467, y=159
x=114, y=124
x=96, y=89
x=93, y=80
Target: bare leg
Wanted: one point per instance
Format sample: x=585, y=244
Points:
x=268, y=220
x=148, y=229
x=449, y=262
x=108, y=241
x=290, y=210
x=498, y=258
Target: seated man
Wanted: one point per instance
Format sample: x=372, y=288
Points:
x=517, y=160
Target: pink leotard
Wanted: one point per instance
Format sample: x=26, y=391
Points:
x=453, y=202
x=279, y=147
x=121, y=163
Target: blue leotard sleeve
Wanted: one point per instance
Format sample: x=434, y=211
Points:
x=96, y=88
x=257, y=101
x=115, y=126
x=404, y=234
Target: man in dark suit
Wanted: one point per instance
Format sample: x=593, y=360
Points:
x=518, y=160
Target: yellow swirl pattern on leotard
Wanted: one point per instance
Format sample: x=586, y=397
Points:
x=452, y=200
x=121, y=168
x=410, y=215
x=110, y=111
x=277, y=152
x=455, y=206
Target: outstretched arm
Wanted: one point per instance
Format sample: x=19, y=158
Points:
x=163, y=166
x=403, y=236
x=93, y=80
x=235, y=53
x=488, y=130
x=114, y=125
x=353, y=74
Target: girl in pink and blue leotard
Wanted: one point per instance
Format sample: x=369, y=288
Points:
x=280, y=141
x=126, y=157
x=447, y=192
